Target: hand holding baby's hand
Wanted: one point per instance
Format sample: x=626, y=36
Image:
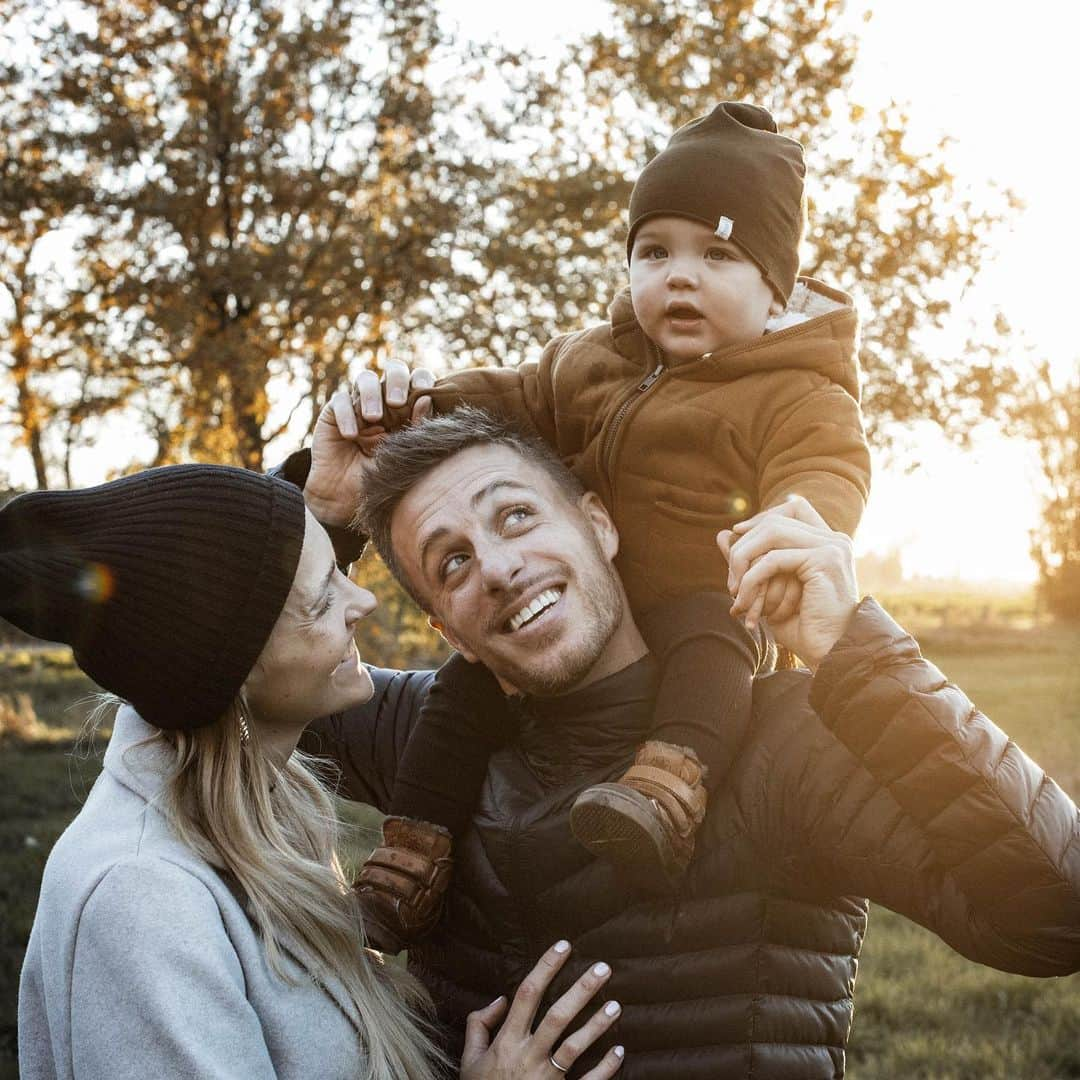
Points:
x=793, y=541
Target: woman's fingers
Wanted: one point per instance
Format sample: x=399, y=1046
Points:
x=609, y=1065
x=423, y=378
x=479, y=1026
x=572, y=1047
x=396, y=380
x=344, y=413
x=531, y=991
x=422, y=408
x=565, y=1010
x=368, y=395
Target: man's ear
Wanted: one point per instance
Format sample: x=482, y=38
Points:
x=451, y=640
x=596, y=513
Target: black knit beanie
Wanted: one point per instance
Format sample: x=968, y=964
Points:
x=166, y=584
x=731, y=171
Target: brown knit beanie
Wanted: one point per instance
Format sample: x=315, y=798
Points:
x=731, y=171
x=166, y=584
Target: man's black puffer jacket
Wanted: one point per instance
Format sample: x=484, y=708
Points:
x=875, y=779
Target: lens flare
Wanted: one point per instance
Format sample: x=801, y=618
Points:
x=96, y=583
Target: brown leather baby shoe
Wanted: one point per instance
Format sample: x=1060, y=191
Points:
x=646, y=821
x=401, y=886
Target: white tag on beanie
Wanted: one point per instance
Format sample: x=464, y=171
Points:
x=723, y=228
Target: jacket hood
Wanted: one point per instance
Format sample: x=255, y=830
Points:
x=136, y=755
x=818, y=331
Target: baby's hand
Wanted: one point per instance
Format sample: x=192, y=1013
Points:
x=778, y=599
x=782, y=597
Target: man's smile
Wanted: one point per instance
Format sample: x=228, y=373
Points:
x=533, y=610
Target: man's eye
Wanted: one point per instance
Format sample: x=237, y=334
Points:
x=516, y=515
x=450, y=564
x=327, y=604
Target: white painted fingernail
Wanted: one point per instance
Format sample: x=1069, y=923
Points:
x=619, y=1051
x=601, y=969
x=612, y=1008
x=562, y=946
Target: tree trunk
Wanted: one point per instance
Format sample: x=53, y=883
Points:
x=250, y=407
x=29, y=407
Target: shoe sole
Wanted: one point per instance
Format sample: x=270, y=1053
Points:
x=620, y=826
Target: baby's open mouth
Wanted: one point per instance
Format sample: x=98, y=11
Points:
x=682, y=311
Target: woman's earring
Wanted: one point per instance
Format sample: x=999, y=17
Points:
x=245, y=731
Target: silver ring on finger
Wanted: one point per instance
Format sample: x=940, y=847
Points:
x=556, y=1065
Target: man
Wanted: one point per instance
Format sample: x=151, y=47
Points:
x=873, y=778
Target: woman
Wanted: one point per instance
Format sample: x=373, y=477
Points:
x=193, y=920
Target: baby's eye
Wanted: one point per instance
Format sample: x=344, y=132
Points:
x=719, y=253
x=654, y=252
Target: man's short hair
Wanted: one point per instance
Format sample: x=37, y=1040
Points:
x=408, y=455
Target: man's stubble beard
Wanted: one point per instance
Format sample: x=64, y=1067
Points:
x=603, y=615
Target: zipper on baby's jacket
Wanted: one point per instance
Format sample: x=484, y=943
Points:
x=642, y=387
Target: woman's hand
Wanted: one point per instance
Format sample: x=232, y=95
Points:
x=351, y=425
x=518, y=1053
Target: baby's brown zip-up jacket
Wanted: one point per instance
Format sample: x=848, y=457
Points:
x=678, y=452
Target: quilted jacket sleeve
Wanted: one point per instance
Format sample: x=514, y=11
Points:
x=816, y=448
x=523, y=393
x=935, y=812
x=348, y=545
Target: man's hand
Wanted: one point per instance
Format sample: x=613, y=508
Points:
x=794, y=539
x=350, y=427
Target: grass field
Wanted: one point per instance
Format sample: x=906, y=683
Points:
x=921, y=1010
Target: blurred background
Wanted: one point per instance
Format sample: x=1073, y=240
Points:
x=212, y=211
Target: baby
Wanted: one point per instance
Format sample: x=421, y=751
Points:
x=721, y=385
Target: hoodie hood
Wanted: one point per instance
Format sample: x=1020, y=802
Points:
x=817, y=331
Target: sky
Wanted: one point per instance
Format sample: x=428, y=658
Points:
x=1006, y=90
x=1002, y=81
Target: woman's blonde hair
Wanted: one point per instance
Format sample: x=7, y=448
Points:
x=273, y=828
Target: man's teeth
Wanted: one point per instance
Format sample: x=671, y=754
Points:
x=530, y=611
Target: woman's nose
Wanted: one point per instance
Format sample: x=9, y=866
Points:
x=362, y=602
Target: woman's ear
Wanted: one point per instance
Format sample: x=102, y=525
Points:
x=450, y=640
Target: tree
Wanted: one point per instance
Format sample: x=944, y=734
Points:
x=885, y=222
x=275, y=195
x=41, y=311
x=271, y=193
x=1050, y=416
